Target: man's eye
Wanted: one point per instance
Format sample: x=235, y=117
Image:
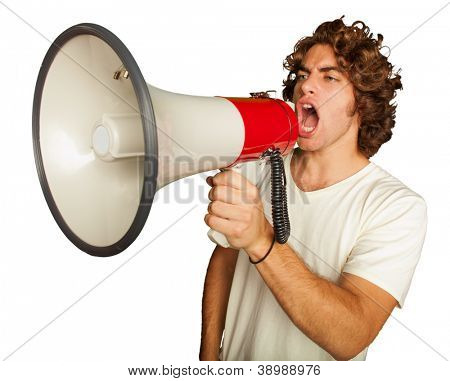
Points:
x=302, y=77
x=330, y=78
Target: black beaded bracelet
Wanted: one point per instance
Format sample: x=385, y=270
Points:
x=265, y=256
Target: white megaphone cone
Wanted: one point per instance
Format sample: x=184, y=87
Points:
x=105, y=141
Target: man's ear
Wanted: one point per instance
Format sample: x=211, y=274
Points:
x=358, y=118
x=355, y=110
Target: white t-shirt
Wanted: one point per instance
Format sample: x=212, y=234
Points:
x=369, y=224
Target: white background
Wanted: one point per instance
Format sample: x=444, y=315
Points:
x=148, y=312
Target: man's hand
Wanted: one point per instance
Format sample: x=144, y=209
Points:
x=236, y=210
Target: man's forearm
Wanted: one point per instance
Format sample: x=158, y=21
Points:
x=329, y=315
x=215, y=301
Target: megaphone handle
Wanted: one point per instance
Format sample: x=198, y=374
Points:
x=220, y=238
x=280, y=215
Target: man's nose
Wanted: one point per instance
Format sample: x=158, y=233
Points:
x=309, y=85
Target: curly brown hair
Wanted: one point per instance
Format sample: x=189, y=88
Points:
x=370, y=72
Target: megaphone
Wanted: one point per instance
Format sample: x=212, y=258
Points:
x=100, y=133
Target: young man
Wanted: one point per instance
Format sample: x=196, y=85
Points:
x=356, y=231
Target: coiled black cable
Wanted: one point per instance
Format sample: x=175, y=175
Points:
x=280, y=216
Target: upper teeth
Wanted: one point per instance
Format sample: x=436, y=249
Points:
x=307, y=105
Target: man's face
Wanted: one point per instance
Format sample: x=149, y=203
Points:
x=331, y=121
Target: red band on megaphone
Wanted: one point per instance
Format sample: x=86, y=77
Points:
x=268, y=123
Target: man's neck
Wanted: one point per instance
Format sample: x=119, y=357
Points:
x=313, y=170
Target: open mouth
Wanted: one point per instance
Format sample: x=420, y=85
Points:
x=308, y=118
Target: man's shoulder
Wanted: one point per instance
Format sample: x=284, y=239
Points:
x=383, y=182
x=387, y=193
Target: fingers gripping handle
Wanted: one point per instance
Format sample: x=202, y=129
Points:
x=252, y=172
x=219, y=239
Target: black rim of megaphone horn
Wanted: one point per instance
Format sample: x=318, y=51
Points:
x=150, y=137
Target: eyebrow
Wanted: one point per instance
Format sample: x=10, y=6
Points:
x=323, y=69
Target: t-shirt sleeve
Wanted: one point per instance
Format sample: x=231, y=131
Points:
x=389, y=246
